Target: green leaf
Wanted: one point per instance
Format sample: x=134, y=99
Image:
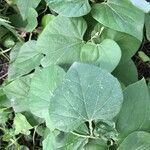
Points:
x=21, y=124
x=121, y=16
x=27, y=59
x=87, y=93
x=25, y=5
x=106, y=55
x=62, y=40
x=17, y=92
x=126, y=72
x=143, y=56
x=143, y=5
x=32, y=20
x=4, y=115
x=7, y=25
x=128, y=44
x=147, y=26
x=135, y=112
x=4, y=102
x=41, y=92
x=136, y=141
x=96, y=145
x=63, y=141
x=70, y=8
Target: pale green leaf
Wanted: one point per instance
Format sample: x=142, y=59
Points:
x=128, y=44
x=135, y=112
x=32, y=20
x=107, y=54
x=136, y=141
x=21, y=124
x=62, y=40
x=25, y=5
x=17, y=92
x=70, y=8
x=87, y=93
x=27, y=59
x=43, y=83
x=120, y=15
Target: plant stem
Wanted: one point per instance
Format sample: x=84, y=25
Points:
x=84, y=136
x=91, y=128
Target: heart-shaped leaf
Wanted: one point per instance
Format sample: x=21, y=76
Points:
x=136, y=141
x=135, y=111
x=120, y=15
x=87, y=93
x=70, y=8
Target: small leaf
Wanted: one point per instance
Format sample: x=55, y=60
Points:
x=143, y=56
x=70, y=8
x=136, y=141
x=107, y=54
x=121, y=16
x=21, y=125
x=128, y=50
x=87, y=93
x=135, y=112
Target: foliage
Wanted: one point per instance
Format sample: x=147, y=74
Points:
x=71, y=81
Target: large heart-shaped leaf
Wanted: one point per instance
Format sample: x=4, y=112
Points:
x=42, y=86
x=26, y=60
x=121, y=16
x=66, y=45
x=87, y=93
x=62, y=40
x=136, y=141
x=70, y=8
x=135, y=112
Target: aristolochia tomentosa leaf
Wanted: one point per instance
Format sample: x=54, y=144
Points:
x=26, y=60
x=42, y=86
x=120, y=15
x=136, y=141
x=87, y=94
x=70, y=8
x=62, y=42
x=137, y=101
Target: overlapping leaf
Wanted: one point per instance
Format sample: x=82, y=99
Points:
x=26, y=60
x=70, y=8
x=135, y=112
x=87, y=93
x=42, y=86
x=136, y=141
x=121, y=16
